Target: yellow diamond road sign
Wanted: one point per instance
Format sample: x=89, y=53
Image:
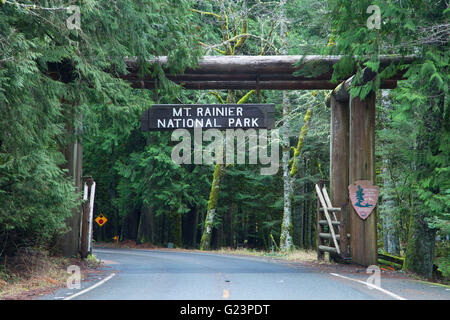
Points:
x=101, y=220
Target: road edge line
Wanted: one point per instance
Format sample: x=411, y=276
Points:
x=372, y=286
x=90, y=288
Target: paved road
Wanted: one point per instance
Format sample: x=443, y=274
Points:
x=175, y=275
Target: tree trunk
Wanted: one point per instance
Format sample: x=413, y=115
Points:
x=220, y=236
x=70, y=241
x=421, y=239
x=165, y=229
x=306, y=203
x=229, y=230
x=301, y=227
x=286, y=240
x=219, y=172
x=189, y=227
x=420, y=247
x=195, y=227
x=245, y=225
x=295, y=225
x=130, y=226
x=145, y=229
x=390, y=234
x=286, y=226
x=308, y=223
x=175, y=229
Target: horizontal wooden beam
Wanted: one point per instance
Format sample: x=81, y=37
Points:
x=391, y=258
x=247, y=85
x=256, y=72
x=328, y=236
x=230, y=77
x=327, y=249
x=325, y=222
x=331, y=209
x=264, y=64
x=242, y=72
x=254, y=64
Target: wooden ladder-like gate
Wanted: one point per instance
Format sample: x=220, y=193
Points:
x=327, y=240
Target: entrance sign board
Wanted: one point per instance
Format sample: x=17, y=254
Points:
x=208, y=116
x=364, y=197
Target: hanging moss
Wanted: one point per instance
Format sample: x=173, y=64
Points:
x=294, y=168
x=245, y=98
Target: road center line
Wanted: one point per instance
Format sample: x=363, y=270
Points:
x=91, y=287
x=372, y=286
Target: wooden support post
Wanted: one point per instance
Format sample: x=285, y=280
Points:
x=339, y=149
x=85, y=225
x=319, y=228
x=91, y=216
x=363, y=233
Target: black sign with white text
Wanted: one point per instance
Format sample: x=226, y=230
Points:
x=208, y=116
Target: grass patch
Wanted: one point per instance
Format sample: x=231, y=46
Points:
x=93, y=262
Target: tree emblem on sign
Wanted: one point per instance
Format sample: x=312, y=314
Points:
x=360, y=198
x=364, y=196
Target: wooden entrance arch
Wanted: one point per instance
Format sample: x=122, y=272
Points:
x=352, y=149
x=352, y=144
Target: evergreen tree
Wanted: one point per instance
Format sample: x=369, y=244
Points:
x=419, y=29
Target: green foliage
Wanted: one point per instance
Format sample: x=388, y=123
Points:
x=35, y=195
x=444, y=266
x=50, y=76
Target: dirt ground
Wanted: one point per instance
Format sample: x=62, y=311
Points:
x=40, y=281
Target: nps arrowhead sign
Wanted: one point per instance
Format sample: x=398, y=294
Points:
x=208, y=116
x=101, y=220
x=364, y=196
